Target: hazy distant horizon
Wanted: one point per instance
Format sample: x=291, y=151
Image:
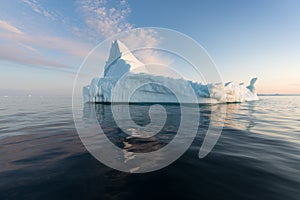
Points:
x=65, y=92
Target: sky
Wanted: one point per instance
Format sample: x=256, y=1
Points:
x=43, y=42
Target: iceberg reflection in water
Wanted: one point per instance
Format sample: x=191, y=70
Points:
x=129, y=138
x=256, y=156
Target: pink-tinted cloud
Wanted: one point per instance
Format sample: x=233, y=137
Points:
x=104, y=19
x=14, y=54
x=8, y=27
x=49, y=42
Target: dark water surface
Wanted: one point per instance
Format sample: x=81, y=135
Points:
x=256, y=157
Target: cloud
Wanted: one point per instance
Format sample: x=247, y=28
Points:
x=105, y=19
x=38, y=8
x=48, y=42
x=19, y=47
x=141, y=38
x=27, y=47
x=15, y=54
x=7, y=26
x=102, y=19
x=144, y=44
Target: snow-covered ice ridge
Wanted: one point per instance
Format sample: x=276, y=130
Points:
x=151, y=88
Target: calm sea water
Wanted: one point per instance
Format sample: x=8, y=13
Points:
x=256, y=157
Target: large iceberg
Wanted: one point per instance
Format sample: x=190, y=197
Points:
x=125, y=79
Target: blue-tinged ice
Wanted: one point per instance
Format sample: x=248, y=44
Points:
x=119, y=64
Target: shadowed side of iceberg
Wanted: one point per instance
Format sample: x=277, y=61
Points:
x=156, y=92
x=122, y=64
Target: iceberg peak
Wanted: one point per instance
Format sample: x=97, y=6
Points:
x=121, y=60
x=125, y=72
x=251, y=85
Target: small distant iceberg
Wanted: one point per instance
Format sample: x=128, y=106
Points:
x=121, y=61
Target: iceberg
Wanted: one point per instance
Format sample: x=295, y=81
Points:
x=125, y=79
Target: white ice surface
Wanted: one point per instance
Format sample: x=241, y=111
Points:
x=138, y=86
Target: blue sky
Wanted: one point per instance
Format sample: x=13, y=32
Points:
x=44, y=42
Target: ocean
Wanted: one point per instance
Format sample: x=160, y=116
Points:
x=256, y=157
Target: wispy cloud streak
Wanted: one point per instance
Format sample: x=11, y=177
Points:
x=25, y=57
x=33, y=4
x=19, y=47
x=8, y=27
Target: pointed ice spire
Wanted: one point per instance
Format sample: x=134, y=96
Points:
x=119, y=51
x=116, y=50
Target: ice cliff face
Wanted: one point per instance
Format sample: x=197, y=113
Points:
x=138, y=86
